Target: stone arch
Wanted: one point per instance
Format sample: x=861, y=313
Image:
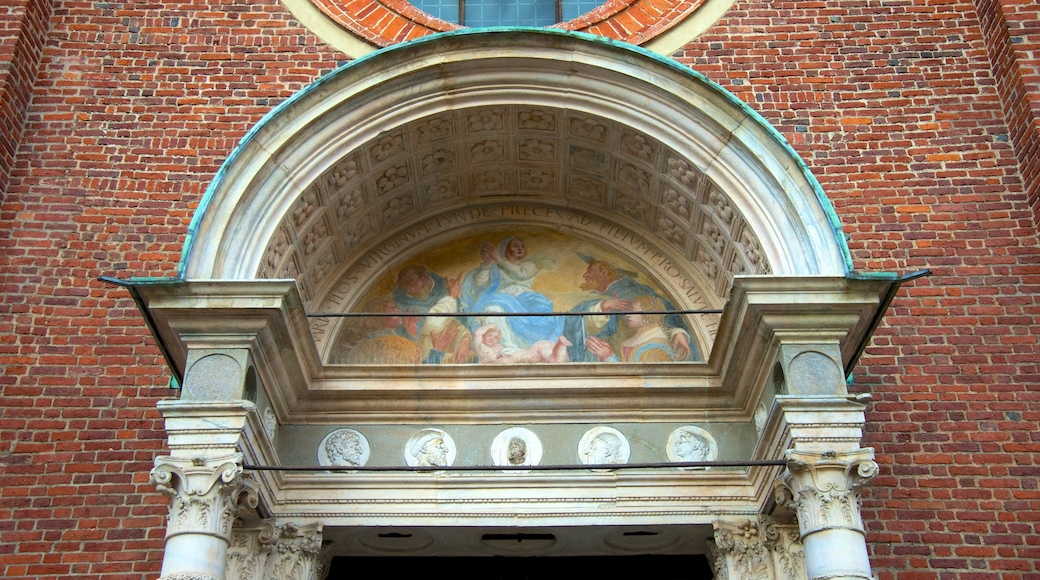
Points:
x=658, y=150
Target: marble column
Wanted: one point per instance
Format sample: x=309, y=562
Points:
x=203, y=478
x=204, y=494
x=823, y=490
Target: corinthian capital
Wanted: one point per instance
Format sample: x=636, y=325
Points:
x=823, y=488
x=204, y=493
x=759, y=549
x=295, y=552
x=739, y=551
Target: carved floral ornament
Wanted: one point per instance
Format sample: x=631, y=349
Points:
x=759, y=549
x=204, y=493
x=823, y=488
x=274, y=551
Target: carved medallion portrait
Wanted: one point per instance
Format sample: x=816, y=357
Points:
x=344, y=447
x=603, y=446
x=516, y=446
x=690, y=444
x=428, y=448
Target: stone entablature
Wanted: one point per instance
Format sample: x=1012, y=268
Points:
x=829, y=315
x=824, y=316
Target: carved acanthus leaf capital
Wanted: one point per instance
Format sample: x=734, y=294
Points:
x=759, y=549
x=740, y=551
x=295, y=552
x=203, y=491
x=823, y=488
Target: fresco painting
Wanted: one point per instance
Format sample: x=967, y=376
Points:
x=579, y=304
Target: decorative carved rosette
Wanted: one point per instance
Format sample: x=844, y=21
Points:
x=204, y=493
x=823, y=488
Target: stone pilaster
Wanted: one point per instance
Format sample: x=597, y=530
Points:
x=759, y=549
x=823, y=490
x=204, y=494
x=277, y=552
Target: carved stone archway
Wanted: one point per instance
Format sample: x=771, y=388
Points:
x=419, y=146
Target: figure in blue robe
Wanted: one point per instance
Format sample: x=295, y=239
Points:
x=503, y=283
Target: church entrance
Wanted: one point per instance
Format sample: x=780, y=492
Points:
x=693, y=567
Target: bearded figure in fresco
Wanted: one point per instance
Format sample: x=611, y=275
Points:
x=386, y=339
x=614, y=292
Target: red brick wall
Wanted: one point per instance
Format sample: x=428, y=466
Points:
x=23, y=24
x=135, y=108
x=1012, y=29
x=894, y=107
x=892, y=103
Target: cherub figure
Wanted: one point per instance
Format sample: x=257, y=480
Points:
x=490, y=350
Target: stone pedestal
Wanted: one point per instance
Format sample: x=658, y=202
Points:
x=823, y=489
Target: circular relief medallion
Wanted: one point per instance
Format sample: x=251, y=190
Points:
x=603, y=446
x=429, y=447
x=345, y=447
x=516, y=446
x=689, y=444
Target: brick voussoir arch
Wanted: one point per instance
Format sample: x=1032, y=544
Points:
x=383, y=23
x=388, y=22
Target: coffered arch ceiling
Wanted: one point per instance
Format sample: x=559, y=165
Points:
x=600, y=133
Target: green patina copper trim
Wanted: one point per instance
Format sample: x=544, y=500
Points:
x=832, y=216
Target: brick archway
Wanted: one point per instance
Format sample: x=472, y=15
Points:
x=361, y=27
x=388, y=22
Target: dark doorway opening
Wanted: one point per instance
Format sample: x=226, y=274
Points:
x=527, y=568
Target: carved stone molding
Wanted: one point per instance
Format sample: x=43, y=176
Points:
x=760, y=549
x=203, y=491
x=823, y=488
x=188, y=576
x=277, y=552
